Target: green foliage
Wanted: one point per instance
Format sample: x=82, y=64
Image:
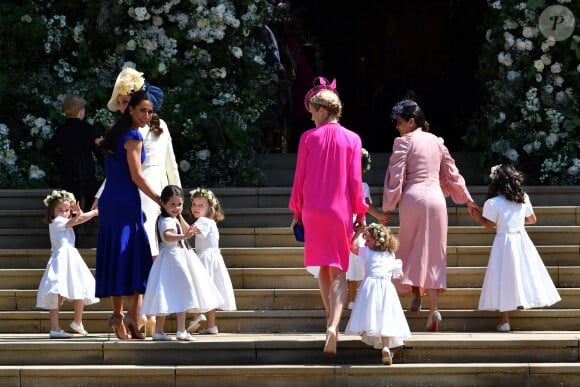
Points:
x=531, y=113
x=204, y=55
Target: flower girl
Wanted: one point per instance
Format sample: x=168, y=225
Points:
x=67, y=276
x=206, y=209
x=515, y=275
x=178, y=283
x=377, y=314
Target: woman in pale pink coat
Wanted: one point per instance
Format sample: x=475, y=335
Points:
x=327, y=192
x=420, y=175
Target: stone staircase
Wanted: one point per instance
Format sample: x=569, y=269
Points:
x=276, y=336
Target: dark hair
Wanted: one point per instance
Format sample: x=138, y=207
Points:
x=408, y=109
x=123, y=124
x=167, y=193
x=507, y=181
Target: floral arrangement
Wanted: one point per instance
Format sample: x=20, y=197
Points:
x=378, y=234
x=531, y=114
x=59, y=195
x=366, y=164
x=493, y=171
x=208, y=194
x=206, y=56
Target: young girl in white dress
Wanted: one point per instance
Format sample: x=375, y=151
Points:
x=67, y=276
x=207, y=211
x=377, y=315
x=515, y=275
x=178, y=283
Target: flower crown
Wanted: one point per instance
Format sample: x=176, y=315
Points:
x=367, y=160
x=59, y=195
x=493, y=171
x=206, y=193
x=377, y=232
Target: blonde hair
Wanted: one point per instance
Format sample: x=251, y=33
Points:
x=73, y=104
x=329, y=100
x=52, y=200
x=215, y=208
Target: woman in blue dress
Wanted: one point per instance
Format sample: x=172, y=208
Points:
x=123, y=252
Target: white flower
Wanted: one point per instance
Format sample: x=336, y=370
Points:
x=556, y=68
x=131, y=45
x=558, y=81
x=551, y=140
x=560, y=96
x=538, y=77
x=528, y=148
x=162, y=68
x=546, y=59
x=573, y=170
x=530, y=32
x=512, y=154
x=509, y=40
x=488, y=35
x=35, y=173
x=26, y=19
x=236, y=51
x=184, y=165
x=549, y=89
x=537, y=145
x=539, y=65
x=203, y=154
x=551, y=41
x=578, y=68
x=496, y=5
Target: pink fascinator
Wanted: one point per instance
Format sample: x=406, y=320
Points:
x=320, y=83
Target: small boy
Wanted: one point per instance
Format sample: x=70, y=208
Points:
x=75, y=146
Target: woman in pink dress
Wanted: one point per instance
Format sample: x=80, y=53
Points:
x=420, y=175
x=327, y=191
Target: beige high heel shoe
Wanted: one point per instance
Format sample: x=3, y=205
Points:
x=330, y=343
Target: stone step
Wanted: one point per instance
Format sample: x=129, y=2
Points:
x=278, y=196
x=283, y=237
x=280, y=217
x=293, y=257
x=286, y=349
x=299, y=278
x=289, y=299
x=474, y=374
x=312, y=320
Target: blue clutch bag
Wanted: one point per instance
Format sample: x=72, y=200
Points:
x=299, y=232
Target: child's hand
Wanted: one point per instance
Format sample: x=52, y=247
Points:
x=75, y=209
x=191, y=231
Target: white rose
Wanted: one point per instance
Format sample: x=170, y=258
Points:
x=528, y=148
x=556, y=68
x=539, y=65
x=203, y=154
x=512, y=154
x=184, y=165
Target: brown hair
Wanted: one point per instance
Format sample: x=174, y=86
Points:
x=382, y=237
x=73, y=104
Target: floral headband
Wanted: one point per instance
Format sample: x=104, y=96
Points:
x=493, y=171
x=58, y=195
x=378, y=233
x=366, y=160
x=205, y=193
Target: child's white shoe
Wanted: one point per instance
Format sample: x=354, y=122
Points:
x=80, y=329
x=387, y=357
x=184, y=336
x=59, y=334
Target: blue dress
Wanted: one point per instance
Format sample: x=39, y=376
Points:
x=123, y=252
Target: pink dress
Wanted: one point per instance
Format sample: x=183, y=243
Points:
x=421, y=174
x=327, y=191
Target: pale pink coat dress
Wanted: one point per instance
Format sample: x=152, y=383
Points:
x=421, y=174
x=327, y=191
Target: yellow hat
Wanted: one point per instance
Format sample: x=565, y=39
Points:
x=128, y=81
